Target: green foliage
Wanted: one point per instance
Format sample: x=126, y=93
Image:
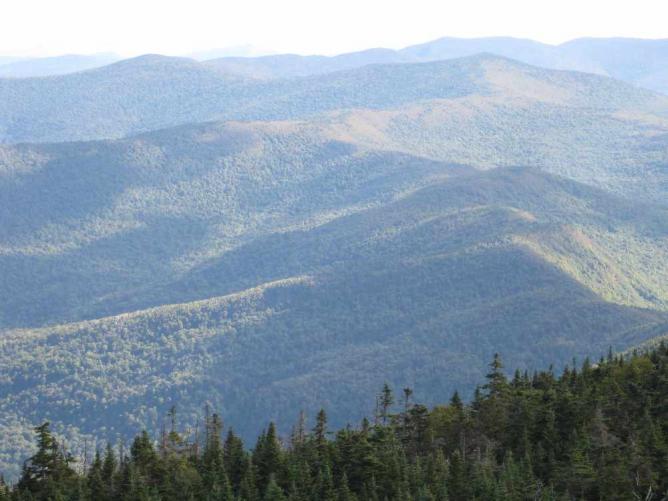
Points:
x=153, y=92
x=266, y=267
x=47, y=475
x=612, y=446
x=419, y=291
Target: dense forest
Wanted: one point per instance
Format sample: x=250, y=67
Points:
x=396, y=223
x=594, y=432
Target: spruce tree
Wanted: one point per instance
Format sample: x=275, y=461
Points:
x=234, y=459
x=386, y=399
x=97, y=488
x=344, y=493
x=47, y=474
x=108, y=471
x=273, y=491
x=267, y=458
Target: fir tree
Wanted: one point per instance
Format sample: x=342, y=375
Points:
x=234, y=459
x=267, y=457
x=47, y=474
x=273, y=491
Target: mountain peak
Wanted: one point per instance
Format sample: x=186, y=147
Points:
x=151, y=60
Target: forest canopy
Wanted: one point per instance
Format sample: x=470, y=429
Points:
x=597, y=431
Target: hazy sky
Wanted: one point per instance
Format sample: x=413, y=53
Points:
x=130, y=27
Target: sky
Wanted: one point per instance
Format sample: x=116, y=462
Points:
x=133, y=27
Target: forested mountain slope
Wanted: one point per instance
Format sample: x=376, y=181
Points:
x=632, y=60
x=596, y=431
x=155, y=91
x=87, y=223
x=293, y=65
x=640, y=62
x=394, y=222
x=420, y=290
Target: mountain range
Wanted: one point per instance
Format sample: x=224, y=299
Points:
x=177, y=233
x=638, y=61
x=55, y=65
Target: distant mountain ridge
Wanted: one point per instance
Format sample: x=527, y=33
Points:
x=640, y=62
x=177, y=234
x=152, y=92
x=56, y=65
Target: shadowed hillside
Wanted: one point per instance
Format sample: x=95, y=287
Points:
x=89, y=226
x=391, y=222
x=426, y=286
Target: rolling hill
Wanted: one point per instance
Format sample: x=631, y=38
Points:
x=84, y=222
x=640, y=62
x=400, y=221
x=153, y=92
x=293, y=65
x=424, y=287
x=637, y=61
x=254, y=261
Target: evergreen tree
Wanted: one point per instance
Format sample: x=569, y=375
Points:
x=215, y=483
x=324, y=486
x=248, y=490
x=4, y=489
x=267, y=457
x=496, y=379
x=47, y=474
x=344, y=493
x=273, y=491
x=234, y=459
x=97, y=488
x=593, y=434
x=108, y=472
x=459, y=485
x=456, y=401
x=386, y=399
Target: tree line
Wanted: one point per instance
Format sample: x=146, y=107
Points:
x=594, y=432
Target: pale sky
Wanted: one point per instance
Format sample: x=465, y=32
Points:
x=132, y=27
